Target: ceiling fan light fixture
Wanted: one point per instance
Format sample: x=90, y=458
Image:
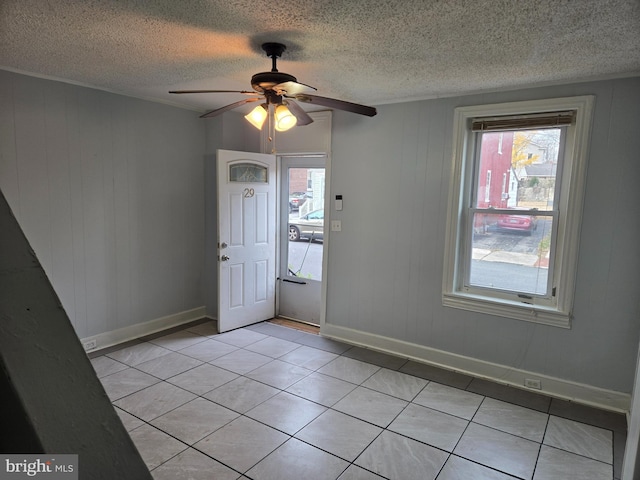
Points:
x=257, y=116
x=284, y=119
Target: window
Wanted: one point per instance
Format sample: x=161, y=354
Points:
x=513, y=251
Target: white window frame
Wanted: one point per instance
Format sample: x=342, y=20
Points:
x=556, y=311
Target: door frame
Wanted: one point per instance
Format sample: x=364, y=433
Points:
x=327, y=222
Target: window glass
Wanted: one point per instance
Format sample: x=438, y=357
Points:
x=248, y=173
x=306, y=222
x=510, y=250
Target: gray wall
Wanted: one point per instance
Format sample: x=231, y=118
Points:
x=385, y=267
x=109, y=190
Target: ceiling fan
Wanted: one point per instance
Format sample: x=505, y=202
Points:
x=274, y=87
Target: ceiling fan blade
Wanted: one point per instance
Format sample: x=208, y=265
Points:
x=292, y=88
x=231, y=106
x=339, y=104
x=245, y=92
x=299, y=113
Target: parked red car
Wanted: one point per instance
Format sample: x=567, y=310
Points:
x=518, y=223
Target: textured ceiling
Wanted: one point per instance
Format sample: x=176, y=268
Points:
x=365, y=51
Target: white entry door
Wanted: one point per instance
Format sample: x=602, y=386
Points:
x=246, y=238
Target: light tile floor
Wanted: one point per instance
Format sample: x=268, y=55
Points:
x=269, y=402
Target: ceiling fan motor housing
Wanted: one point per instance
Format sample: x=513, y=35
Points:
x=264, y=81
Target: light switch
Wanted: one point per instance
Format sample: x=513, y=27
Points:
x=336, y=225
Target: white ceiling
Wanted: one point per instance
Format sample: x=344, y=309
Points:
x=364, y=51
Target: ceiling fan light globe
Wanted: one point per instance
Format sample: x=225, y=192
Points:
x=284, y=119
x=257, y=116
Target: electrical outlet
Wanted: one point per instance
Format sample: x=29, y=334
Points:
x=90, y=345
x=533, y=383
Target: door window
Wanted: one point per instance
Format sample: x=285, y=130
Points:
x=306, y=223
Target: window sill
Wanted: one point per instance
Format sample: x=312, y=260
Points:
x=503, y=308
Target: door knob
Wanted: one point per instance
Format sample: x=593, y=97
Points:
x=224, y=258
x=223, y=245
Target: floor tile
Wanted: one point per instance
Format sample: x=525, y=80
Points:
x=242, y=443
x=355, y=472
x=458, y=468
x=296, y=460
x=316, y=341
x=374, y=407
x=513, y=419
x=241, y=361
x=449, y=400
x=589, y=415
x=579, y=438
x=168, y=365
x=194, y=420
x=139, y=353
x=322, y=389
x=193, y=465
x=241, y=394
x=129, y=421
x=104, y=366
x=208, y=350
x=339, y=434
x=202, y=379
x=206, y=329
x=438, y=429
x=396, y=384
x=277, y=331
x=279, y=374
x=557, y=464
x=376, y=358
x=440, y=375
x=178, y=340
x=278, y=403
x=126, y=382
x=308, y=357
x=286, y=412
x=154, y=401
x=506, y=393
x=397, y=457
x=349, y=370
x=240, y=337
x=501, y=451
x=155, y=447
x=598, y=418
x=272, y=347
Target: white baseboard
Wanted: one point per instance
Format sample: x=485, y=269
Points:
x=555, y=387
x=121, y=335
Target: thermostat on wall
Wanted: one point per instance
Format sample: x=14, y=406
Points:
x=338, y=202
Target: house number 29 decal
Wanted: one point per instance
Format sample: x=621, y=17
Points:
x=248, y=192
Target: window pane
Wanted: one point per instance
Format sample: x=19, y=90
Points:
x=517, y=169
x=248, y=173
x=306, y=222
x=511, y=253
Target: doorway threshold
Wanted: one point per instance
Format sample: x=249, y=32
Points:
x=298, y=325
